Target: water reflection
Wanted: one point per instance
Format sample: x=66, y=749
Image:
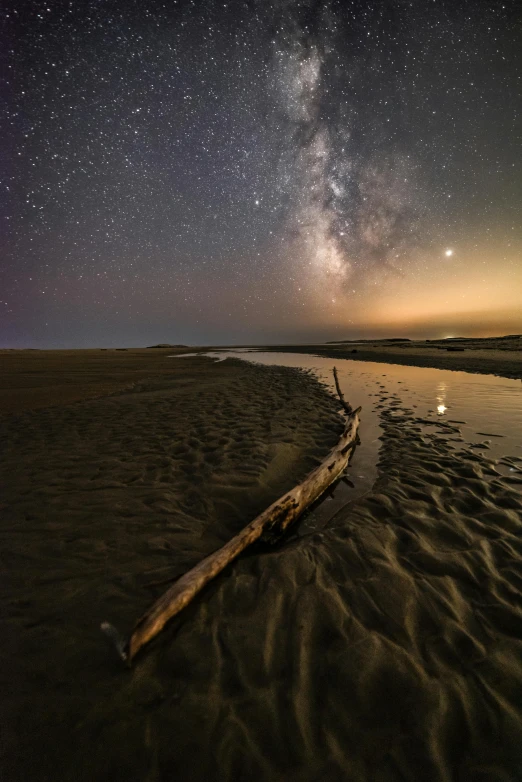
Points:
x=481, y=405
x=441, y=398
x=486, y=411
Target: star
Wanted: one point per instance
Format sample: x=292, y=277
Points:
x=140, y=156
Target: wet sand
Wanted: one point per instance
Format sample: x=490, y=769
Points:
x=101, y=497
x=387, y=647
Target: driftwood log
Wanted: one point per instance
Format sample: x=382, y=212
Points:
x=269, y=525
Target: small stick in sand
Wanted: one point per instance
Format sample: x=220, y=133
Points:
x=269, y=525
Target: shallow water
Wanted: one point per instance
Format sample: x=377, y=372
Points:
x=485, y=410
x=480, y=414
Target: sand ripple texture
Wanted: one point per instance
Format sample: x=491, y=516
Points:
x=101, y=498
x=386, y=648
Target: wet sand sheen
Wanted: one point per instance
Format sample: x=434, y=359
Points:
x=387, y=646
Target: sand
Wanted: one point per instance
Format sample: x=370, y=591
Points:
x=101, y=497
x=31, y=379
x=385, y=648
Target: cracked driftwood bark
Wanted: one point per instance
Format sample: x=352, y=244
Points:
x=269, y=525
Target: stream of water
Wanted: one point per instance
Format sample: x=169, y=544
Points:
x=478, y=413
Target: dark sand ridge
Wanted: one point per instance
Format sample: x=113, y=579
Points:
x=387, y=647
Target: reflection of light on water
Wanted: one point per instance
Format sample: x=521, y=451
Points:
x=475, y=398
x=441, y=398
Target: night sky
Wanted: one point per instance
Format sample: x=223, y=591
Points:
x=230, y=172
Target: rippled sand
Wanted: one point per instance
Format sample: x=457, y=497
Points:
x=104, y=496
x=387, y=647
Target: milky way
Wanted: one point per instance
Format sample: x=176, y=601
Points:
x=208, y=172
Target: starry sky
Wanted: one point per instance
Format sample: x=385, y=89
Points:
x=252, y=171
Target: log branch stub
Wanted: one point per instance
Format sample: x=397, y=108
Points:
x=347, y=408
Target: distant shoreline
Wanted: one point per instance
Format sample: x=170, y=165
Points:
x=478, y=356
x=37, y=384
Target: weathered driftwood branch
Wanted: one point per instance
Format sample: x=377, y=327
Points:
x=269, y=525
x=347, y=408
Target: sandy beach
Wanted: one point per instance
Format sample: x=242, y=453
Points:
x=134, y=482
x=386, y=647
x=281, y=539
